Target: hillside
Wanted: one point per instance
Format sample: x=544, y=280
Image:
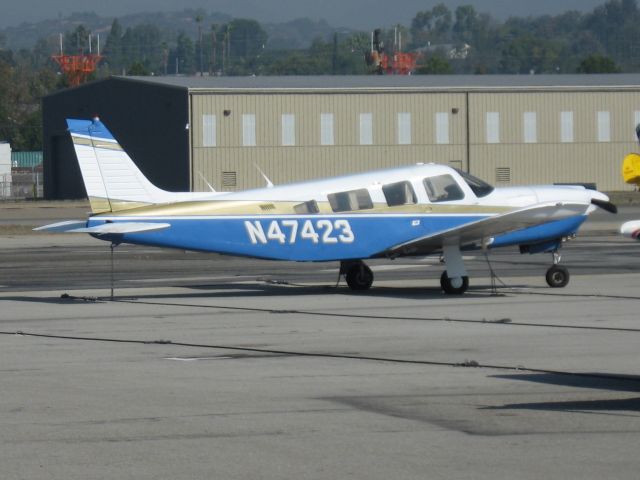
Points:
x=294, y=34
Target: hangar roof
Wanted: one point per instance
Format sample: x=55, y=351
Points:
x=392, y=82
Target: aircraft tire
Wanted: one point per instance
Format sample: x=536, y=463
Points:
x=449, y=289
x=359, y=277
x=557, y=276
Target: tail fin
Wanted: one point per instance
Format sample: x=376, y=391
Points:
x=113, y=182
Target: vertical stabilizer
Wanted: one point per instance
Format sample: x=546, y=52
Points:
x=113, y=182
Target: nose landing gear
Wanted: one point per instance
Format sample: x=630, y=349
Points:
x=557, y=276
x=358, y=275
x=454, y=280
x=454, y=286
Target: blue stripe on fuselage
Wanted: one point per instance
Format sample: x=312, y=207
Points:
x=540, y=233
x=273, y=237
x=329, y=237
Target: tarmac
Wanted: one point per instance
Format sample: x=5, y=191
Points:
x=215, y=367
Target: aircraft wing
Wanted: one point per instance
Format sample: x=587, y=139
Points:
x=483, y=230
x=73, y=226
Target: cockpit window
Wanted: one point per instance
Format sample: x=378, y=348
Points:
x=443, y=188
x=479, y=187
x=400, y=193
x=352, y=200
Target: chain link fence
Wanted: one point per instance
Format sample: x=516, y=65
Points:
x=21, y=184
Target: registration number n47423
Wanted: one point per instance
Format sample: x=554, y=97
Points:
x=291, y=231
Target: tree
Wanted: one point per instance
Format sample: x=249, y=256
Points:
x=198, y=18
x=21, y=89
x=466, y=24
x=138, y=69
x=213, y=48
x=77, y=40
x=431, y=26
x=185, y=55
x=530, y=54
x=615, y=25
x=597, y=63
x=247, y=38
x=113, y=47
x=435, y=65
x=143, y=44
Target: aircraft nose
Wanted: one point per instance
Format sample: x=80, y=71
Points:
x=595, y=195
x=572, y=194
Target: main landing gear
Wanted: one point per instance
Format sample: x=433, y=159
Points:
x=557, y=276
x=358, y=275
x=454, y=280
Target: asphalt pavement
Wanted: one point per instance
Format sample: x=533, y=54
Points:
x=204, y=366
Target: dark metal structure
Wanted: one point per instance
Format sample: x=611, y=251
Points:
x=185, y=133
x=150, y=120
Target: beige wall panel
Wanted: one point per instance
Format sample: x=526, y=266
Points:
x=548, y=106
x=546, y=161
x=304, y=163
x=548, y=164
x=307, y=159
x=550, y=160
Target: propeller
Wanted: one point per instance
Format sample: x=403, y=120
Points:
x=608, y=206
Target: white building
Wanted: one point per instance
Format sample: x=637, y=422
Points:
x=5, y=170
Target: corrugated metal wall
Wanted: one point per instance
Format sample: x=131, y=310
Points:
x=511, y=161
x=26, y=159
x=549, y=159
x=308, y=158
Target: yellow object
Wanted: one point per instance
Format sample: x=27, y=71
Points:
x=631, y=169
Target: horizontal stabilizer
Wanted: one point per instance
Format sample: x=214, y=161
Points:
x=65, y=226
x=75, y=226
x=123, y=227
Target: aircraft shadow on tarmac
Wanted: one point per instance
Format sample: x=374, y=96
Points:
x=289, y=289
x=591, y=381
x=259, y=289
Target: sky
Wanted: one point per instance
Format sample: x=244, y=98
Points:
x=360, y=14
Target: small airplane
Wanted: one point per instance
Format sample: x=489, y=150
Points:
x=631, y=176
x=407, y=211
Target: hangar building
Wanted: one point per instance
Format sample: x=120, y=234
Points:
x=186, y=131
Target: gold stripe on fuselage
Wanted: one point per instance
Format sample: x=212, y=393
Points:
x=103, y=205
x=269, y=208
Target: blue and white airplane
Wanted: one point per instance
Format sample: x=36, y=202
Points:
x=408, y=211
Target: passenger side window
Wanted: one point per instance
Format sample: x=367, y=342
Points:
x=352, y=200
x=443, y=188
x=307, y=207
x=400, y=193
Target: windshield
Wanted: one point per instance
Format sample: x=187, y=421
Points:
x=479, y=187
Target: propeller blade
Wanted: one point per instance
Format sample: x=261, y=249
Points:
x=608, y=206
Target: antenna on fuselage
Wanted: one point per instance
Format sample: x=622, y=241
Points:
x=269, y=182
x=205, y=181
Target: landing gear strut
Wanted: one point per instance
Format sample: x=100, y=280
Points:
x=454, y=280
x=358, y=275
x=557, y=276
